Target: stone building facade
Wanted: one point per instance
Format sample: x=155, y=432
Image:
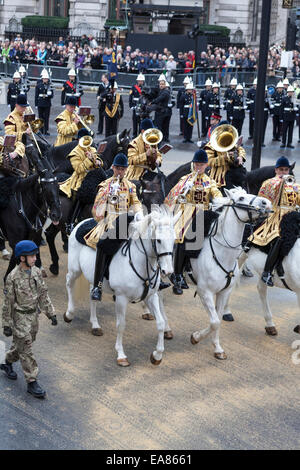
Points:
x=89, y=16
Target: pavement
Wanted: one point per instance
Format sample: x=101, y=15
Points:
x=191, y=400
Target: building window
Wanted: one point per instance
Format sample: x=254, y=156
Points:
x=56, y=7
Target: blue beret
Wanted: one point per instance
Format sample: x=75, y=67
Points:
x=200, y=156
x=282, y=162
x=120, y=160
x=146, y=124
x=25, y=247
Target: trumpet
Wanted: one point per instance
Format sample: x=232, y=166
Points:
x=113, y=197
x=181, y=198
x=85, y=143
x=89, y=119
x=289, y=180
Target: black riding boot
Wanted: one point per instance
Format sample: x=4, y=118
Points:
x=271, y=262
x=177, y=278
x=101, y=259
x=73, y=215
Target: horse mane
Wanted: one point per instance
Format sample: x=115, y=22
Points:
x=160, y=215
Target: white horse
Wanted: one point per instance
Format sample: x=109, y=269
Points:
x=216, y=268
x=134, y=274
x=291, y=265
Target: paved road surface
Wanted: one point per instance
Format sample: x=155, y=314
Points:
x=190, y=401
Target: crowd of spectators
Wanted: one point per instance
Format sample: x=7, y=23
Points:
x=88, y=54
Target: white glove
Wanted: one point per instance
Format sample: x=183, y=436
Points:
x=138, y=216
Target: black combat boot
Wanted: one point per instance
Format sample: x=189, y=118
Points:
x=100, y=266
x=8, y=369
x=35, y=390
x=178, y=269
x=267, y=276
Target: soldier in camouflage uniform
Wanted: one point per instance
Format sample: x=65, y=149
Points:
x=25, y=295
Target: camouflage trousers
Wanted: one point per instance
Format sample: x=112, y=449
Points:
x=21, y=349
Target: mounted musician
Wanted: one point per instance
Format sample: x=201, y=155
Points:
x=192, y=193
x=83, y=158
x=284, y=193
x=224, y=154
x=143, y=154
x=14, y=125
x=67, y=122
x=116, y=197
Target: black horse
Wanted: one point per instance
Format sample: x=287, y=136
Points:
x=29, y=202
x=115, y=144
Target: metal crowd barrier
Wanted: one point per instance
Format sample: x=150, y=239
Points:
x=92, y=77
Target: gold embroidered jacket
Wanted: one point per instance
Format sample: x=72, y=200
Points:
x=66, y=128
x=137, y=159
x=284, y=199
x=105, y=213
x=81, y=165
x=219, y=163
x=14, y=125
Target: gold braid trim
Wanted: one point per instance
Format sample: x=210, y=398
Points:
x=115, y=107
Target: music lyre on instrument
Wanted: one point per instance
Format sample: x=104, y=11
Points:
x=113, y=197
x=181, y=198
x=29, y=118
x=83, y=113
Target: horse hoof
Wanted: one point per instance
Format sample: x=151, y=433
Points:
x=97, y=331
x=54, y=269
x=271, y=331
x=148, y=316
x=228, y=317
x=67, y=320
x=168, y=335
x=154, y=361
x=193, y=340
x=221, y=356
x=44, y=274
x=297, y=329
x=123, y=362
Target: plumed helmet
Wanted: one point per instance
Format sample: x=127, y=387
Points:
x=290, y=88
x=200, y=157
x=141, y=77
x=286, y=81
x=25, y=247
x=208, y=82
x=72, y=72
x=282, y=162
x=22, y=69
x=120, y=160
x=82, y=132
x=239, y=87
x=216, y=85
x=44, y=74
x=186, y=80
x=22, y=101
x=279, y=85
x=146, y=124
x=233, y=81
x=190, y=86
x=71, y=101
x=16, y=75
x=162, y=78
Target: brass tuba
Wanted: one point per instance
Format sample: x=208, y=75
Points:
x=152, y=137
x=223, y=138
x=85, y=142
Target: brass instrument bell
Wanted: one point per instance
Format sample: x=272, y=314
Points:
x=223, y=138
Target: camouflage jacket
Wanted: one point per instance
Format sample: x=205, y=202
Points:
x=25, y=292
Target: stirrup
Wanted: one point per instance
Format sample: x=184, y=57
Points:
x=96, y=293
x=69, y=228
x=267, y=278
